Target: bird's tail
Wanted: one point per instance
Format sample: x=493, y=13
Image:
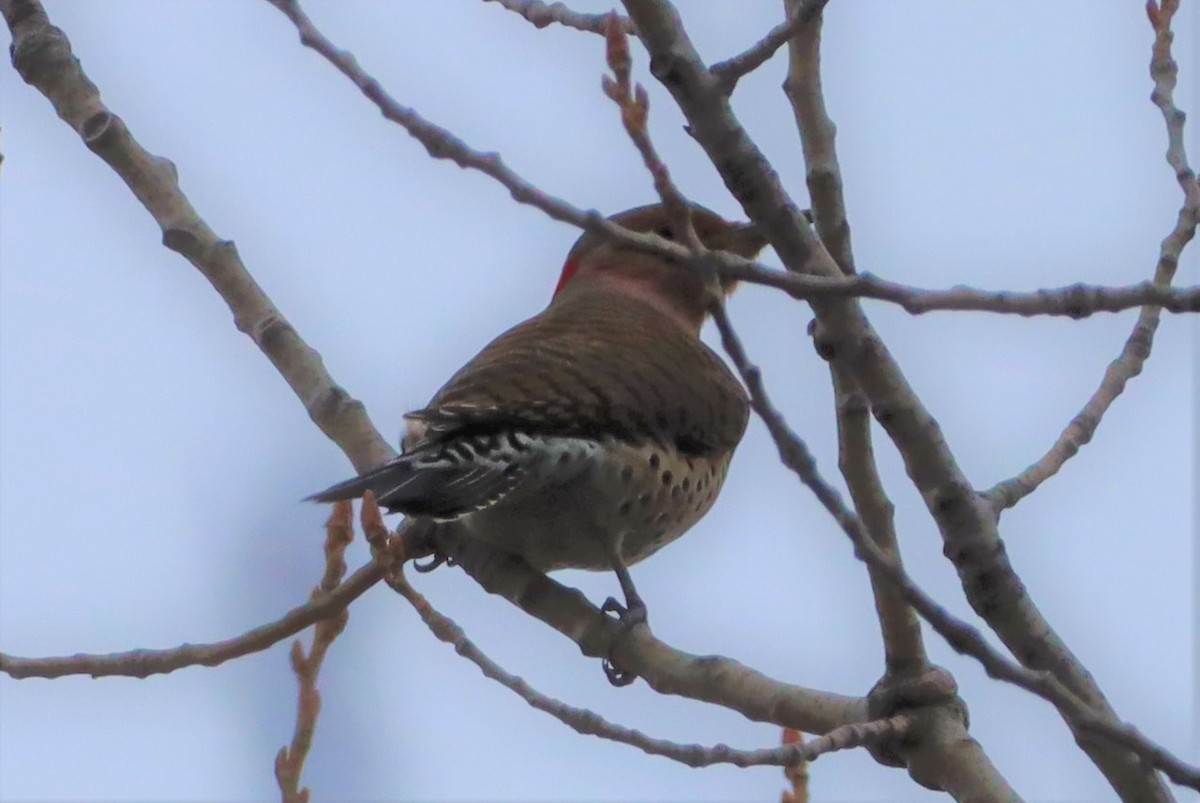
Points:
x=381, y=481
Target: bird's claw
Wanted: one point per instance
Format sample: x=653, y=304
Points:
x=628, y=617
x=435, y=560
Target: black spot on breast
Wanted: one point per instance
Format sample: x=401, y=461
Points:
x=625, y=507
x=654, y=460
x=627, y=474
x=687, y=484
x=644, y=500
x=564, y=458
x=667, y=477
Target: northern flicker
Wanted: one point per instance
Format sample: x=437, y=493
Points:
x=592, y=434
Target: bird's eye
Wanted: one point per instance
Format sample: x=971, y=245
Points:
x=665, y=232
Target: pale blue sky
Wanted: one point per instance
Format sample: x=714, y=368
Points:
x=151, y=461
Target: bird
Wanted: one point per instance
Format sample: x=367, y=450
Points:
x=592, y=434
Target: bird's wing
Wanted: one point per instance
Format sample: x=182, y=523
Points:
x=606, y=367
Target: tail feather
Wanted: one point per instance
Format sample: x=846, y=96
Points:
x=440, y=486
x=378, y=480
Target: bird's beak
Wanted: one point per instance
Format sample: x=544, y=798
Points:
x=743, y=239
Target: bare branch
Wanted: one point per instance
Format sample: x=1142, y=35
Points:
x=794, y=454
x=904, y=648
x=635, y=111
x=817, y=134
x=42, y=55
x=542, y=15
x=410, y=542
x=967, y=523
x=1165, y=72
x=728, y=72
x=1071, y=301
x=143, y=663
x=958, y=634
x=441, y=144
x=289, y=762
x=714, y=679
x=1136, y=350
x=589, y=723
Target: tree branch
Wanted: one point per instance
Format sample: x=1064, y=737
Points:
x=289, y=761
x=542, y=15
x=904, y=649
x=589, y=723
x=1071, y=301
x=817, y=134
x=962, y=637
x=42, y=55
x=966, y=522
x=1136, y=350
x=728, y=72
x=143, y=663
x=713, y=679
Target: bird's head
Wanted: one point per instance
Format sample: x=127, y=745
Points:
x=597, y=262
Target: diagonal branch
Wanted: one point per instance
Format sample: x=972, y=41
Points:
x=730, y=71
x=967, y=523
x=710, y=678
x=962, y=637
x=42, y=55
x=584, y=721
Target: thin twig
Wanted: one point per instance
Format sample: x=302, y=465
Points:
x=1136, y=350
x=542, y=15
x=1070, y=301
x=797, y=774
x=143, y=663
x=634, y=103
x=441, y=144
x=289, y=762
x=729, y=71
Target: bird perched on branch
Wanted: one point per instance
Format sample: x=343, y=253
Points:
x=592, y=434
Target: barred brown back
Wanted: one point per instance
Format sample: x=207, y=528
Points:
x=605, y=365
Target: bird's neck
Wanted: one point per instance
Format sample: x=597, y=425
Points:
x=678, y=305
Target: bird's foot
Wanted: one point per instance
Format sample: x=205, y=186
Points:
x=629, y=616
x=435, y=560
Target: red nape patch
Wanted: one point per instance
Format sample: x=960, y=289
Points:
x=568, y=273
